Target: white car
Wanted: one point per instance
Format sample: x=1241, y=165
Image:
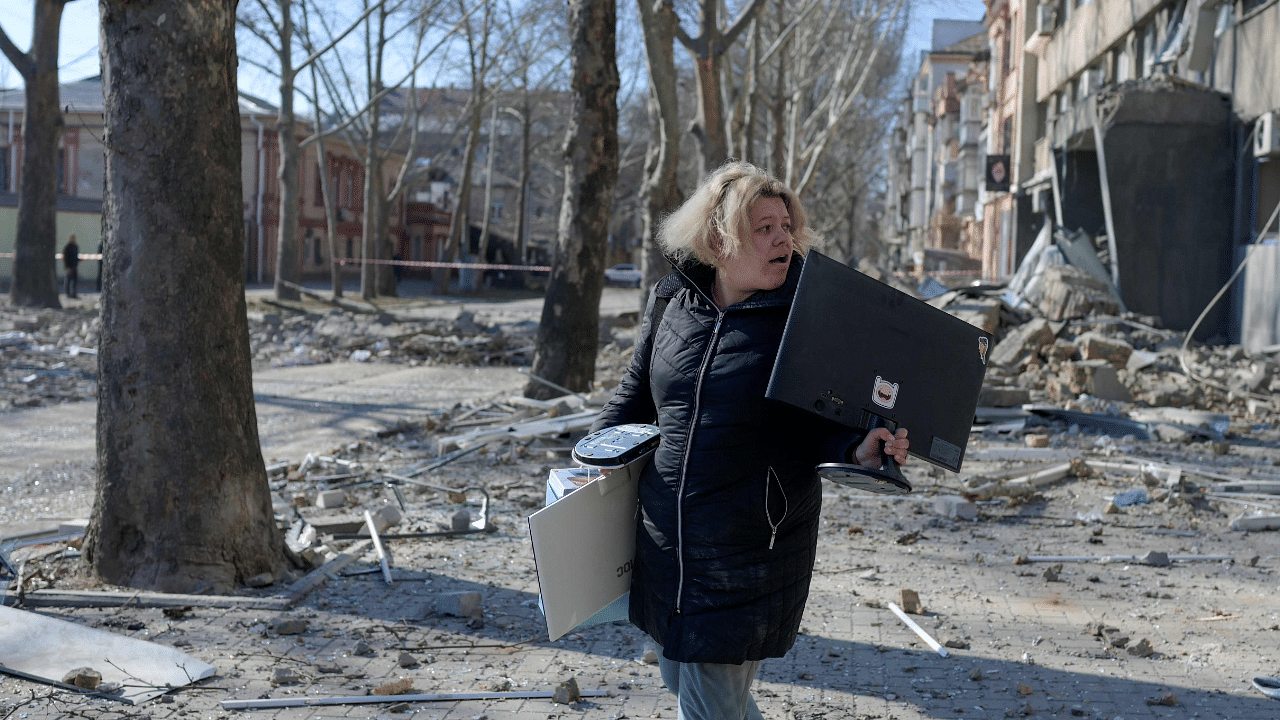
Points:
x=624, y=274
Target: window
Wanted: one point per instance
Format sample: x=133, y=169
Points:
x=62, y=171
x=350, y=249
x=4, y=170
x=497, y=211
x=315, y=251
x=537, y=213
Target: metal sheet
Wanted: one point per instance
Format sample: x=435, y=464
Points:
x=37, y=646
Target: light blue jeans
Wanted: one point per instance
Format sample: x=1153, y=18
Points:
x=711, y=691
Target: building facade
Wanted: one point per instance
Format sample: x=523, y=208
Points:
x=934, y=169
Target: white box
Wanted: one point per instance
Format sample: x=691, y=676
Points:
x=584, y=543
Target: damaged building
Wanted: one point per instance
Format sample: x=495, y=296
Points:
x=1148, y=127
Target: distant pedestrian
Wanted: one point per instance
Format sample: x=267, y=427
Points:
x=70, y=259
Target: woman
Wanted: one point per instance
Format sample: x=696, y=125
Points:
x=729, y=503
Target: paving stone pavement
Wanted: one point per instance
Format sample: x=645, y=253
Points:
x=1023, y=646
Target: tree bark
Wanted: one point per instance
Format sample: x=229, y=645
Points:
x=35, y=282
x=660, y=191
x=182, y=503
x=288, y=266
x=568, y=333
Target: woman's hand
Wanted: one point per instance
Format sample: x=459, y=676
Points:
x=867, y=454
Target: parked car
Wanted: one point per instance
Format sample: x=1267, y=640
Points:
x=625, y=274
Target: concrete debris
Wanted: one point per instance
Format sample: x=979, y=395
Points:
x=1256, y=523
x=285, y=676
x=403, y=686
x=567, y=692
x=288, y=626
x=467, y=604
x=85, y=678
x=910, y=601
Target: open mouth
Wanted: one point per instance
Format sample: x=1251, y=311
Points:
x=781, y=260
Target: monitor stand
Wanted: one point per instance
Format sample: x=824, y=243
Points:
x=887, y=479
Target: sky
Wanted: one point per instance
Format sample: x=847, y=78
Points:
x=78, y=50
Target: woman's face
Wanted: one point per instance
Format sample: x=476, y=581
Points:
x=763, y=262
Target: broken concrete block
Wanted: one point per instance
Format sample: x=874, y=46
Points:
x=1256, y=522
x=403, y=686
x=383, y=518
x=1105, y=384
x=1069, y=292
x=85, y=678
x=285, y=676
x=567, y=692
x=1025, y=340
x=1093, y=377
x=910, y=601
x=1059, y=350
x=1094, y=346
x=459, y=604
x=288, y=626
x=1155, y=558
x=1115, y=638
x=952, y=508
x=1003, y=396
x=406, y=660
x=461, y=521
x=1052, y=573
x=1142, y=649
x=1036, y=441
x=330, y=499
x=361, y=648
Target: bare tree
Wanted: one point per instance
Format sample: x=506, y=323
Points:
x=659, y=191
x=182, y=503
x=568, y=333
x=707, y=49
x=275, y=28
x=34, y=265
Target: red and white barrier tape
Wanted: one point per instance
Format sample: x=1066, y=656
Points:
x=429, y=264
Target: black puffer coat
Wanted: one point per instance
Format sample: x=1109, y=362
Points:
x=730, y=502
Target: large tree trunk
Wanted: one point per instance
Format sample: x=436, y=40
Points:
x=659, y=192
x=568, y=333
x=182, y=503
x=35, y=282
x=288, y=266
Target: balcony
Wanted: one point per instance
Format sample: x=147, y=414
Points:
x=1043, y=156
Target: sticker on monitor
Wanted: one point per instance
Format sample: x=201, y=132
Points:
x=885, y=393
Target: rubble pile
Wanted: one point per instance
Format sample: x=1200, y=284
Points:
x=50, y=356
x=47, y=356
x=311, y=338
x=1111, y=363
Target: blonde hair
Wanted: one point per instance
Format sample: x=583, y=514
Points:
x=716, y=219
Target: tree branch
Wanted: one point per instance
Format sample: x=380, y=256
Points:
x=23, y=62
x=739, y=24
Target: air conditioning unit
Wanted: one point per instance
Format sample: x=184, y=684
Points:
x=1266, y=135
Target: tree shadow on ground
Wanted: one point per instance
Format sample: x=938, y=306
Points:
x=966, y=684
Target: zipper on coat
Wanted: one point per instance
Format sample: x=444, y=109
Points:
x=786, y=506
x=688, y=448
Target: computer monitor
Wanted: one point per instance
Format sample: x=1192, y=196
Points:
x=861, y=353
